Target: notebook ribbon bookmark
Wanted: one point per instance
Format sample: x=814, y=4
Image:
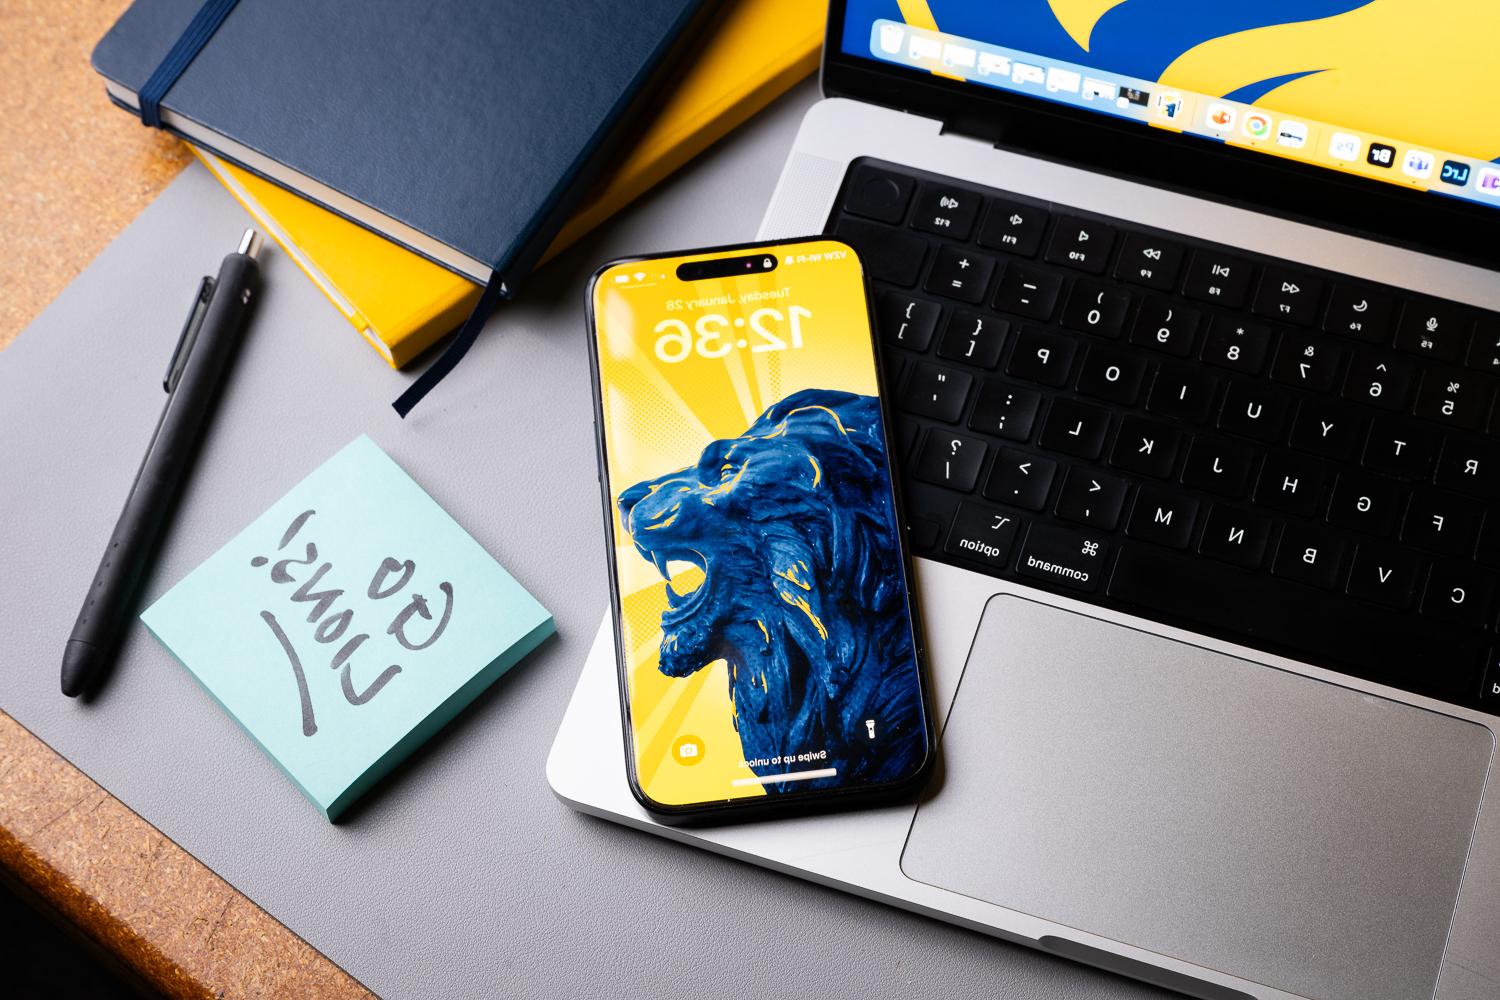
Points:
x=494, y=291
x=196, y=35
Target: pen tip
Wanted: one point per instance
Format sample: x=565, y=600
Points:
x=250, y=244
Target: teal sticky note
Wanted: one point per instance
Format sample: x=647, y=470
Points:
x=347, y=624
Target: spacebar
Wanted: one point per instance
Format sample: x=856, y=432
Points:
x=1325, y=629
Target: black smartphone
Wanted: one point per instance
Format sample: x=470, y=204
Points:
x=766, y=628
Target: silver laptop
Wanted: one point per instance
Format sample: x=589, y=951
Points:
x=1208, y=305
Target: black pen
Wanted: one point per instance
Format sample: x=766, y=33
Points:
x=204, y=349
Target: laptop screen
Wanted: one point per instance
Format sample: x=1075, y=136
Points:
x=1392, y=90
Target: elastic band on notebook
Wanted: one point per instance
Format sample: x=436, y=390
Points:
x=196, y=35
x=462, y=341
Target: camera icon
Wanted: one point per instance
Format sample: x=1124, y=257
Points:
x=688, y=750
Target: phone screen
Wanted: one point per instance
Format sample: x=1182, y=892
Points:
x=762, y=612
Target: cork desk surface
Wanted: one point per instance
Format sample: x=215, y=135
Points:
x=73, y=172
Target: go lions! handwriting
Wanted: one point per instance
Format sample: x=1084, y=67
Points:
x=334, y=625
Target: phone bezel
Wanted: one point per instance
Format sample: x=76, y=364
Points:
x=781, y=803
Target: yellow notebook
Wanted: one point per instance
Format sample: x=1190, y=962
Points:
x=403, y=303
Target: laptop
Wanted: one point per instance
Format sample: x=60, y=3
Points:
x=1193, y=333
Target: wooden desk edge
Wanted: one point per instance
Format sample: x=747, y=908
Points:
x=73, y=172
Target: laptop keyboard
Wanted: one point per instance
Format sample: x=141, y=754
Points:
x=1284, y=457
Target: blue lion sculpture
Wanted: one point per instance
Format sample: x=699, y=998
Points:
x=803, y=594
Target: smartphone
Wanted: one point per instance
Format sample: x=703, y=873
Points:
x=765, y=623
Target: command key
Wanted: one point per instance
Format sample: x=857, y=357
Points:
x=1068, y=558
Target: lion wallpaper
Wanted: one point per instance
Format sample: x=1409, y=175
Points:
x=762, y=603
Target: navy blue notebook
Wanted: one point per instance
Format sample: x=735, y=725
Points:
x=463, y=129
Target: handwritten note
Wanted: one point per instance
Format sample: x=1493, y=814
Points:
x=347, y=624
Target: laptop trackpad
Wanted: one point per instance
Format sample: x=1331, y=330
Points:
x=1290, y=832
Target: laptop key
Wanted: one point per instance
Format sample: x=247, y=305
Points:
x=947, y=211
x=888, y=254
x=1256, y=410
x=1290, y=483
x=1091, y=498
x=1096, y=308
x=1274, y=613
x=936, y=392
x=1166, y=326
x=1289, y=296
x=907, y=322
x=1162, y=517
x=1383, y=381
x=1219, y=466
x=1491, y=690
x=1328, y=428
x=960, y=274
x=949, y=459
x=1112, y=375
x=983, y=534
x=1061, y=556
x=1181, y=392
x=1149, y=262
x=1237, y=345
x=1218, y=278
x=1075, y=428
x=1442, y=522
x=1484, y=348
x=1461, y=593
x=1386, y=575
x=1309, y=555
x=1358, y=312
x=1028, y=291
x=1005, y=411
x=1432, y=329
x=878, y=195
x=1455, y=398
x=1307, y=361
x=1020, y=479
x=1041, y=356
x=1146, y=447
x=1489, y=543
x=973, y=339
x=1236, y=536
x=1365, y=503
x=1401, y=448
x=1013, y=227
x=1471, y=467
x=1081, y=244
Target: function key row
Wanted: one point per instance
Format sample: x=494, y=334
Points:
x=1419, y=326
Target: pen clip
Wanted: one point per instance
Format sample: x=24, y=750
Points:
x=188, y=335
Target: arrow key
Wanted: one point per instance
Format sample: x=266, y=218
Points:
x=1092, y=498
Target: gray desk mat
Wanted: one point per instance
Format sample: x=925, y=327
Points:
x=462, y=876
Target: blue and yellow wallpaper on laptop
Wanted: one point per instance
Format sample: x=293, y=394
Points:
x=1393, y=90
